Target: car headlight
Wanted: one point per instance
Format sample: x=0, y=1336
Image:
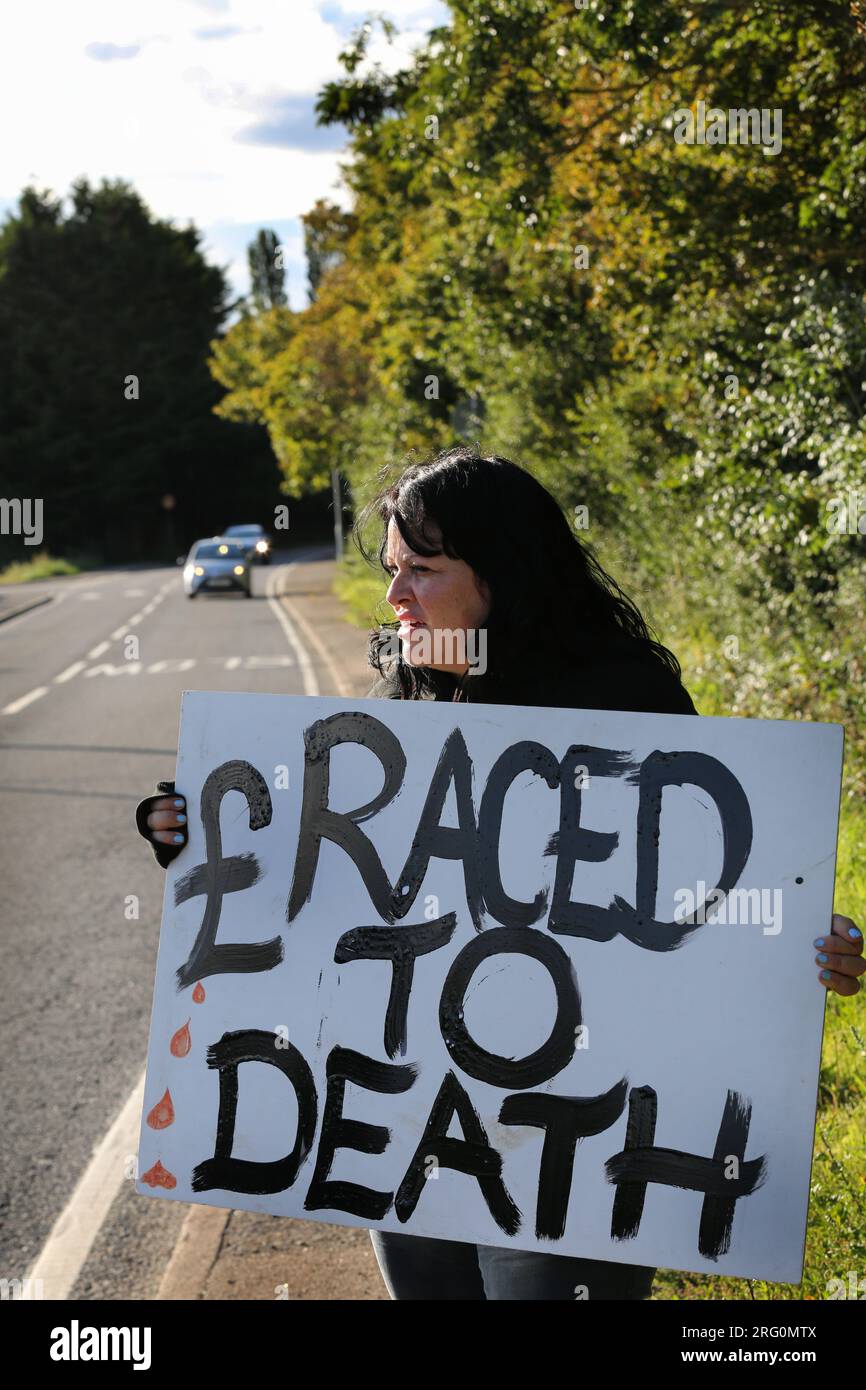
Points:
x=239, y=569
x=261, y=547
x=198, y=570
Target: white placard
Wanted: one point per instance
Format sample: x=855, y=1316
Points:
x=460, y=971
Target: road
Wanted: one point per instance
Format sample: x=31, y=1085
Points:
x=90, y=687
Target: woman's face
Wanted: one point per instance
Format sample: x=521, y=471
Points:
x=441, y=604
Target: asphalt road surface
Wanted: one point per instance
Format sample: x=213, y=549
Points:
x=90, y=687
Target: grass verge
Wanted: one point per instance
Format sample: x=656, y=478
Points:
x=836, y=1232
x=40, y=566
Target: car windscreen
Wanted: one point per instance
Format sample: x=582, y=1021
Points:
x=244, y=531
x=215, y=550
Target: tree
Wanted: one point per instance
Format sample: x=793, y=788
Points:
x=669, y=333
x=327, y=229
x=106, y=403
x=267, y=273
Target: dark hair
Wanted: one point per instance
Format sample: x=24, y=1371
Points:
x=501, y=520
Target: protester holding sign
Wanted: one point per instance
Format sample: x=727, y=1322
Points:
x=498, y=602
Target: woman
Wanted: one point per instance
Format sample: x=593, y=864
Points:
x=497, y=601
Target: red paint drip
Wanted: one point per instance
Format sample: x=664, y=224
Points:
x=157, y=1176
x=162, y=1114
x=181, y=1042
x=198, y=993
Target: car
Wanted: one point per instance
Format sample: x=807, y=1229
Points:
x=256, y=538
x=220, y=562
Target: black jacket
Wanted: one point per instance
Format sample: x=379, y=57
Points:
x=618, y=674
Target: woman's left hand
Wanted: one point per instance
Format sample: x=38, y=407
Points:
x=840, y=956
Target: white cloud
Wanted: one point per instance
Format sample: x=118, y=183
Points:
x=405, y=12
x=168, y=119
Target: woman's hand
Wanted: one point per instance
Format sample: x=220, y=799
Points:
x=167, y=820
x=161, y=819
x=840, y=956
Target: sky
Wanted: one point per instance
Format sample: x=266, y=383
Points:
x=205, y=106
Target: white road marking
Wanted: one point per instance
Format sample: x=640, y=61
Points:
x=171, y=663
x=63, y=1255
x=341, y=687
x=96, y=651
x=70, y=672
x=71, y=1239
x=24, y=700
x=311, y=685
x=123, y=668
x=261, y=663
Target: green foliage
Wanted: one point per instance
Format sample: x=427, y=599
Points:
x=670, y=335
x=41, y=566
x=267, y=274
x=106, y=403
x=326, y=231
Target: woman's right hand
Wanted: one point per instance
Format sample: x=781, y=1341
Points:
x=161, y=819
x=167, y=820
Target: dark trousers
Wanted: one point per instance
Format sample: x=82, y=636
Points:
x=419, y=1267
